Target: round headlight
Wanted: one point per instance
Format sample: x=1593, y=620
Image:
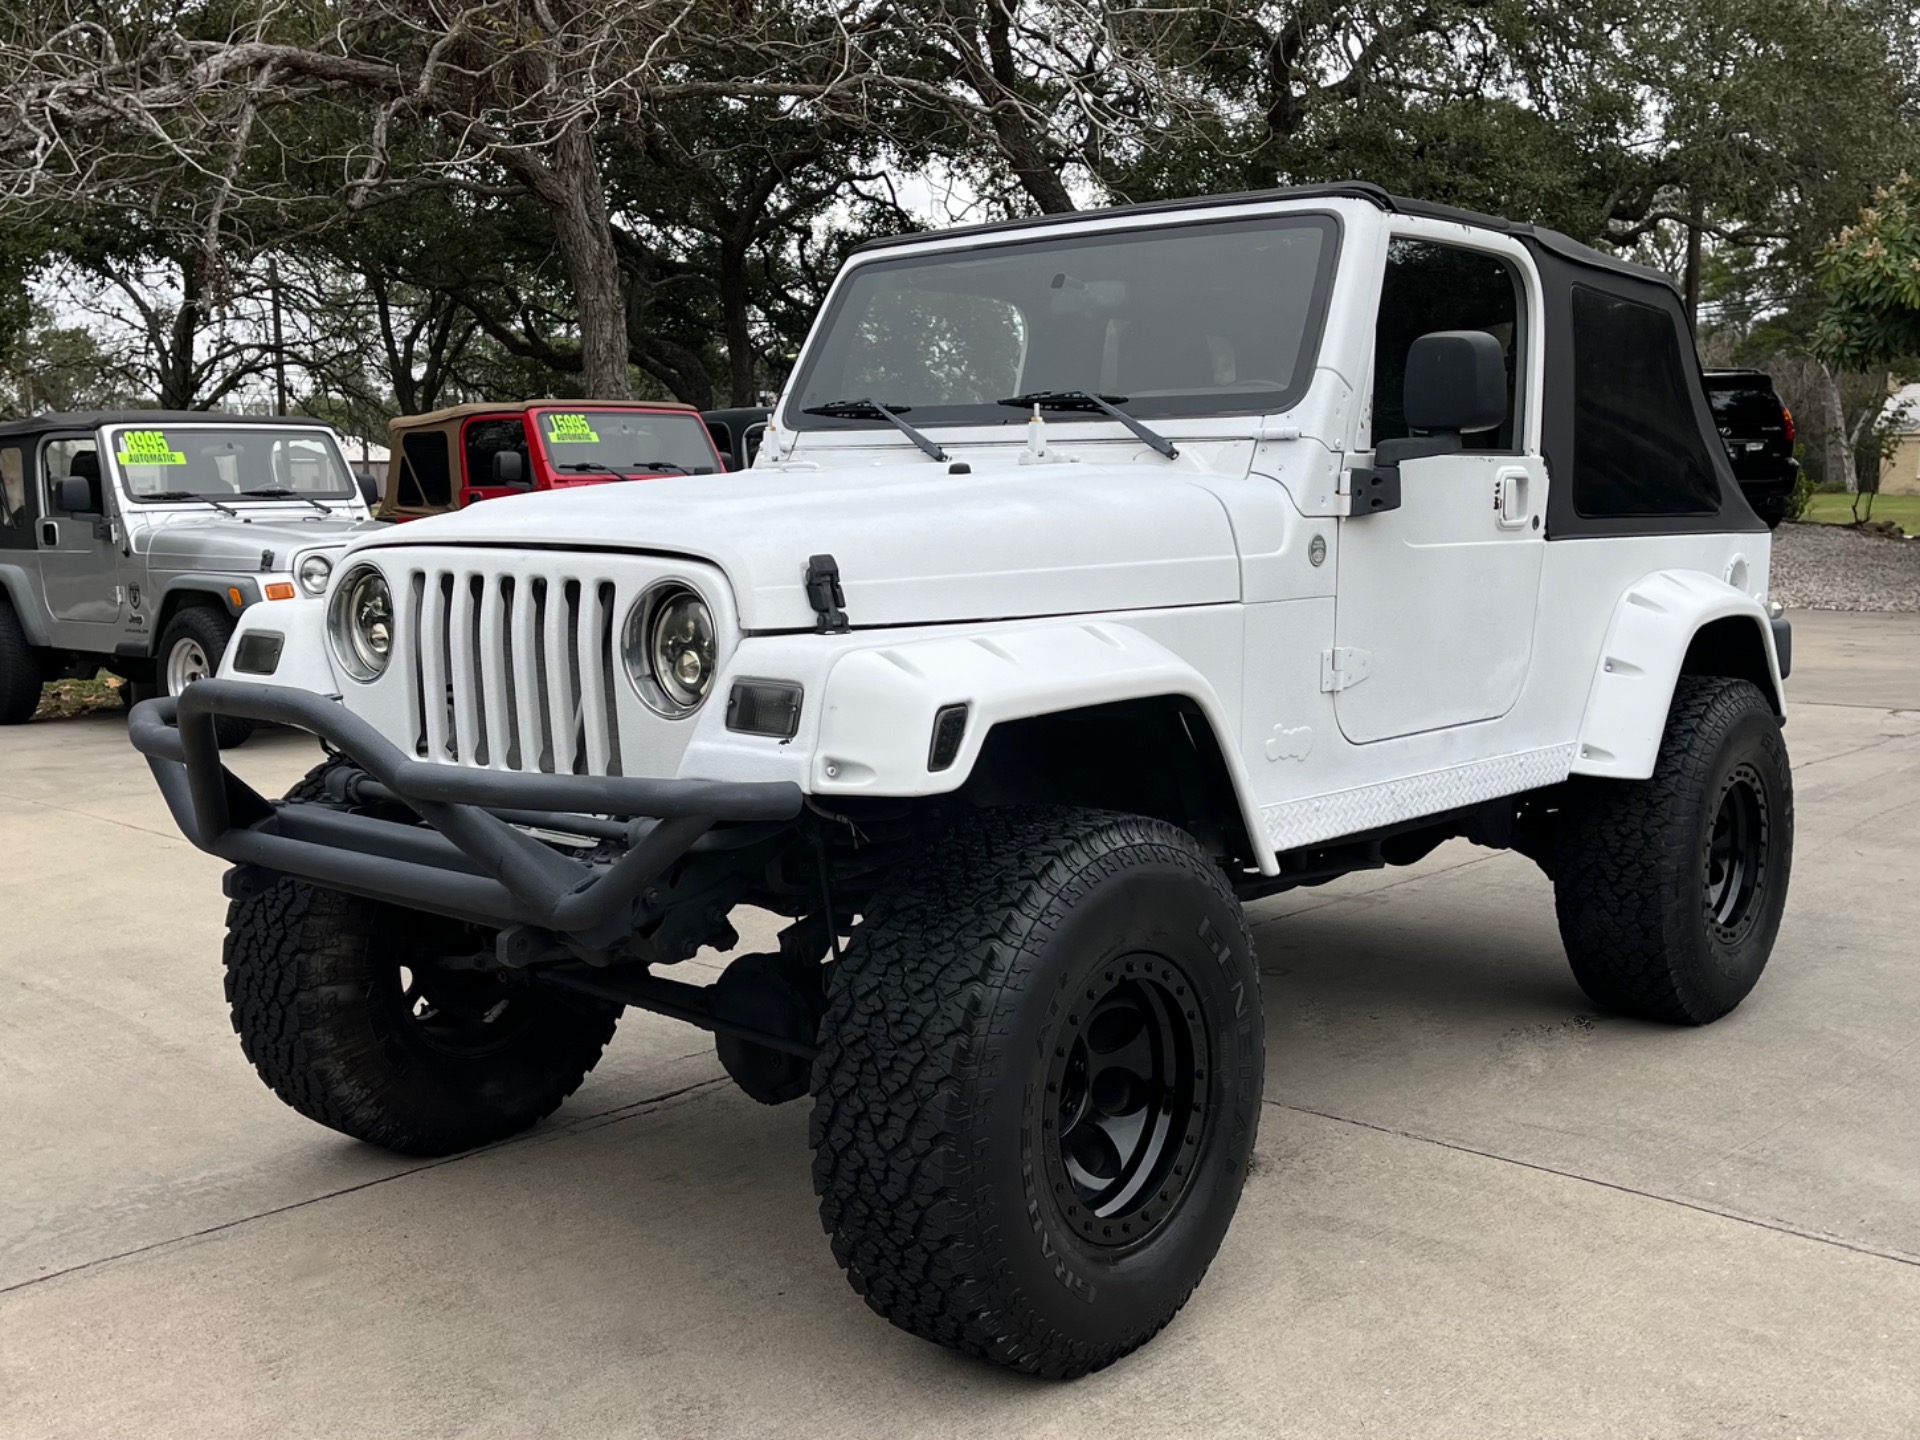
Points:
x=670, y=650
x=313, y=574
x=362, y=623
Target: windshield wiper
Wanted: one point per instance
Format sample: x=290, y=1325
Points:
x=874, y=410
x=190, y=495
x=276, y=492
x=1086, y=400
x=593, y=465
x=661, y=467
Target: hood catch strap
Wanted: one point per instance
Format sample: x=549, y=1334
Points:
x=825, y=596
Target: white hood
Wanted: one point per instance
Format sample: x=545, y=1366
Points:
x=915, y=544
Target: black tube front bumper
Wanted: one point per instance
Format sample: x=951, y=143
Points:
x=466, y=861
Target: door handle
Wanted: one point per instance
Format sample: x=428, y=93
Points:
x=1512, y=498
x=50, y=534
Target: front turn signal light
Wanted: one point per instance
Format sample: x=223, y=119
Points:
x=764, y=707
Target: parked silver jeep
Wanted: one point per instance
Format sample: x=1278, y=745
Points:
x=132, y=542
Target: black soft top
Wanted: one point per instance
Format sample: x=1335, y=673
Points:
x=93, y=419
x=1564, y=247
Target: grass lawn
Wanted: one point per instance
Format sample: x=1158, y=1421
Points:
x=1903, y=510
x=63, y=699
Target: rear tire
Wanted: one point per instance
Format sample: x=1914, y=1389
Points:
x=327, y=990
x=20, y=674
x=1038, y=1087
x=190, y=649
x=1669, y=890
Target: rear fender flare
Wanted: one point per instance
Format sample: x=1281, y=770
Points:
x=1654, y=626
x=22, y=592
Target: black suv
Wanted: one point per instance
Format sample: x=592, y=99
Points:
x=1757, y=429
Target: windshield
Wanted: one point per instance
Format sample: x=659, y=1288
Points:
x=1221, y=318
x=626, y=443
x=230, y=462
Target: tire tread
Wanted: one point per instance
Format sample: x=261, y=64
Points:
x=1626, y=887
x=901, y=1054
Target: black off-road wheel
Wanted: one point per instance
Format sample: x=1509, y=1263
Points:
x=190, y=650
x=20, y=674
x=1670, y=890
x=350, y=1014
x=1039, y=1086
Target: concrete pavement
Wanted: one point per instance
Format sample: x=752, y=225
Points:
x=1478, y=1208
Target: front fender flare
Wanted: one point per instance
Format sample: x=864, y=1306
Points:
x=879, y=702
x=1654, y=624
x=213, y=585
x=304, y=662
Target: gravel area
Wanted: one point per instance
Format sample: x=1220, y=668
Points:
x=1829, y=567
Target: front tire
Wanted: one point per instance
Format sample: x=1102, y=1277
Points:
x=344, y=1013
x=20, y=673
x=1670, y=890
x=1038, y=1087
x=190, y=649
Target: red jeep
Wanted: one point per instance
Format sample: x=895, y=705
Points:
x=448, y=459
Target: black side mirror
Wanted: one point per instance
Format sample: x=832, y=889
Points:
x=508, y=468
x=369, y=491
x=76, y=496
x=1456, y=381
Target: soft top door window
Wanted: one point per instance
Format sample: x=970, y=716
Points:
x=1430, y=287
x=1637, y=446
x=14, y=520
x=490, y=436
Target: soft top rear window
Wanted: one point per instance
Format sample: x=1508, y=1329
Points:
x=1637, y=444
x=1211, y=318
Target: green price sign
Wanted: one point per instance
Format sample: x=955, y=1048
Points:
x=570, y=430
x=148, y=447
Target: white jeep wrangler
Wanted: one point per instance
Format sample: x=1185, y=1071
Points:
x=1101, y=574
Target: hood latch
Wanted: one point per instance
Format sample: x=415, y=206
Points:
x=825, y=596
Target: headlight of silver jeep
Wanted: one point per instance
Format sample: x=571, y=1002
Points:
x=313, y=574
x=669, y=648
x=361, y=623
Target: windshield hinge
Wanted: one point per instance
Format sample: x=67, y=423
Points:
x=1343, y=667
x=825, y=596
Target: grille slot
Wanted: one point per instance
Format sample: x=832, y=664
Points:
x=515, y=673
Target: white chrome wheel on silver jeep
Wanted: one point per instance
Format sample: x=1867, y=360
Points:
x=190, y=650
x=186, y=662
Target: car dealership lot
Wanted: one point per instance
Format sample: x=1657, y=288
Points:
x=1478, y=1207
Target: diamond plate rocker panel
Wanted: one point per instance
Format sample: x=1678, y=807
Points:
x=1368, y=807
